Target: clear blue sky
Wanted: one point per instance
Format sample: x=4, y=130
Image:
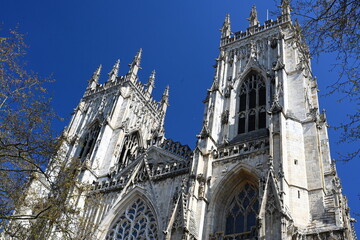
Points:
x=180, y=40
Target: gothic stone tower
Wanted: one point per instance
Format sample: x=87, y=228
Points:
x=262, y=166
x=135, y=174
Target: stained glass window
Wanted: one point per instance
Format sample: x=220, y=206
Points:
x=241, y=214
x=137, y=222
x=252, y=96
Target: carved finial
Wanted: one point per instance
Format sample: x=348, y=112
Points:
x=137, y=58
x=253, y=19
x=226, y=28
x=95, y=78
x=285, y=7
x=96, y=74
x=165, y=95
x=152, y=77
x=151, y=83
x=114, y=71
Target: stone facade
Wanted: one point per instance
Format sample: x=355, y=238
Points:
x=261, y=168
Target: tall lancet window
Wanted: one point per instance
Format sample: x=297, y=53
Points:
x=241, y=213
x=88, y=142
x=136, y=222
x=129, y=150
x=252, y=104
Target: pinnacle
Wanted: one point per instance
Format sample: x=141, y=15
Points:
x=226, y=28
x=152, y=76
x=114, y=71
x=96, y=74
x=253, y=19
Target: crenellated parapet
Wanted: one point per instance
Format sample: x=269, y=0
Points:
x=250, y=31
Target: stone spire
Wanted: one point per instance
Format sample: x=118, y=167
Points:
x=285, y=7
x=253, y=19
x=165, y=100
x=226, y=28
x=135, y=65
x=151, y=83
x=114, y=71
x=93, y=82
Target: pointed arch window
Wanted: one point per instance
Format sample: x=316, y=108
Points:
x=136, y=222
x=89, y=141
x=252, y=104
x=129, y=150
x=241, y=213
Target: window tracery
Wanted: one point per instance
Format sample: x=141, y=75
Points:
x=241, y=214
x=137, y=222
x=129, y=150
x=252, y=104
x=89, y=141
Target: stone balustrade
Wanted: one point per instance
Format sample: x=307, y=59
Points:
x=241, y=148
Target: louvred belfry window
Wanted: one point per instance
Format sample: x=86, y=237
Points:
x=89, y=141
x=241, y=214
x=252, y=104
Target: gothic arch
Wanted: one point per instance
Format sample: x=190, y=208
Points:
x=252, y=68
x=88, y=140
x=225, y=191
x=130, y=148
x=134, y=215
x=251, y=101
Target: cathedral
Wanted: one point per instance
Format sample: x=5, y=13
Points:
x=261, y=168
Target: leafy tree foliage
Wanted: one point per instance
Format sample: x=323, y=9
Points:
x=332, y=26
x=32, y=199
x=26, y=139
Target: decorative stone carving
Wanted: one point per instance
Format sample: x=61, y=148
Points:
x=253, y=19
x=138, y=220
x=278, y=65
